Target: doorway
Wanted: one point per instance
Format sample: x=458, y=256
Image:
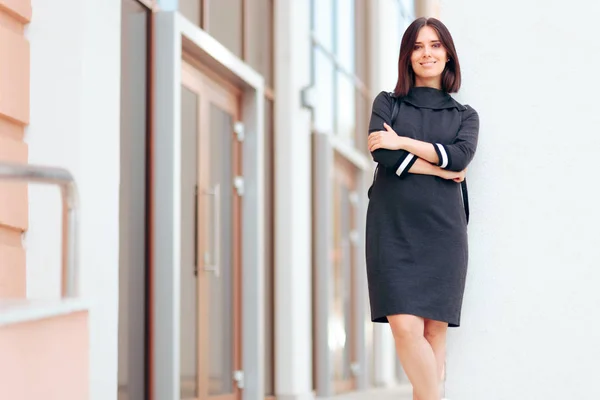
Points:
x=211, y=215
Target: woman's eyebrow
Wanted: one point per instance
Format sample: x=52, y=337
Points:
x=431, y=41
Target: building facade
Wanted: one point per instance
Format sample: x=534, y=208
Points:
x=219, y=154
x=218, y=151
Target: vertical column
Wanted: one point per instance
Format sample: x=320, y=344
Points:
x=167, y=209
x=360, y=284
x=293, y=324
x=99, y=180
x=253, y=275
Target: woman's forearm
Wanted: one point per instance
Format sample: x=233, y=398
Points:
x=422, y=167
x=423, y=150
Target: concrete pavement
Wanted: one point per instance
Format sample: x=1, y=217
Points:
x=396, y=393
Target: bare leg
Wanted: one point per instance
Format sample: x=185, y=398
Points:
x=435, y=333
x=416, y=355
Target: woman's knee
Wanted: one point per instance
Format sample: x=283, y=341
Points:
x=405, y=327
x=435, y=329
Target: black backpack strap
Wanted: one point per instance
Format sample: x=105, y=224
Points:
x=465, y=192
x=465, y=196
x=395, y=109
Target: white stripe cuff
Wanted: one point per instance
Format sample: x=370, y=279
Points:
x=404, y=164
x=444, y=160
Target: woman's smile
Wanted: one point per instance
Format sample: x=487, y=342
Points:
x=427, y=64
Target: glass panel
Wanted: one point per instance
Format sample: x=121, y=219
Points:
x=192, y=10
x=221, y=312
x=323, y=22
x=260, y=38
x=361, y=58
x=323, y=99
x=340, y=327
x=362, y=122
x=225, y=23
x=346, y=29
x=132, y=224
x=346, y=108
x=189, y=288
x=269, y=239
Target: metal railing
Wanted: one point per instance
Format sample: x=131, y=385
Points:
x=64, y=180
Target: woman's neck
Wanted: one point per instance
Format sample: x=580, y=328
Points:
x=434, y=82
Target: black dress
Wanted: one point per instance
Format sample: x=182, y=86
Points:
x=416, y=231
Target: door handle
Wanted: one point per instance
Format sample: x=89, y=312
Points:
x=211, y=260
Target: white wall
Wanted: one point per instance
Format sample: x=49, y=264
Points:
x=530, y=317
x=75, y=74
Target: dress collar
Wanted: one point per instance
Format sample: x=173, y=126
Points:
x=428, y=97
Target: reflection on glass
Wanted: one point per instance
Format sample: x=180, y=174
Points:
x=324, y=75
x=361, y=38
x=191, y=10
x=221, y=313
x=346, y=108
x=362, y=122
x=260, y=38
x=345, y=37
x=225, y=23
x=189, y=289
x=340, y=322
x=323, y=20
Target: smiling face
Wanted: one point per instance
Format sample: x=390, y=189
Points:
x=428, y=58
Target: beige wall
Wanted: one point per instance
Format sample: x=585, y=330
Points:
x=14, y=116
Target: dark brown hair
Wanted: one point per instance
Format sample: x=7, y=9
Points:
x=406, y=75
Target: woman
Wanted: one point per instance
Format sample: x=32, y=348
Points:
x=416, y=243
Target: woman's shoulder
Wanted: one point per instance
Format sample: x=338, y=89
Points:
x=465, y=109
x=383, y=103
x=383, y=99
x=469, y=112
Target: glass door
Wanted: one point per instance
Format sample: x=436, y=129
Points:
x=211, y=241
x=341, y=317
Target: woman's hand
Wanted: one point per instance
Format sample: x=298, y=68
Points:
x=387, y=139
x=455, y=176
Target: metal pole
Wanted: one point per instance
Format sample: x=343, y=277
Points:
x=64, y=180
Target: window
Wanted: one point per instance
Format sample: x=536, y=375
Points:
x=245, y=27
x=225, y=23
x=338, y=57
x=259, y=38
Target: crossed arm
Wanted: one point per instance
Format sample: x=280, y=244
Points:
x=406, y=155
x=426, y=160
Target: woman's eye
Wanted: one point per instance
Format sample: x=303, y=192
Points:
x=437, y=45
x=417, y=47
